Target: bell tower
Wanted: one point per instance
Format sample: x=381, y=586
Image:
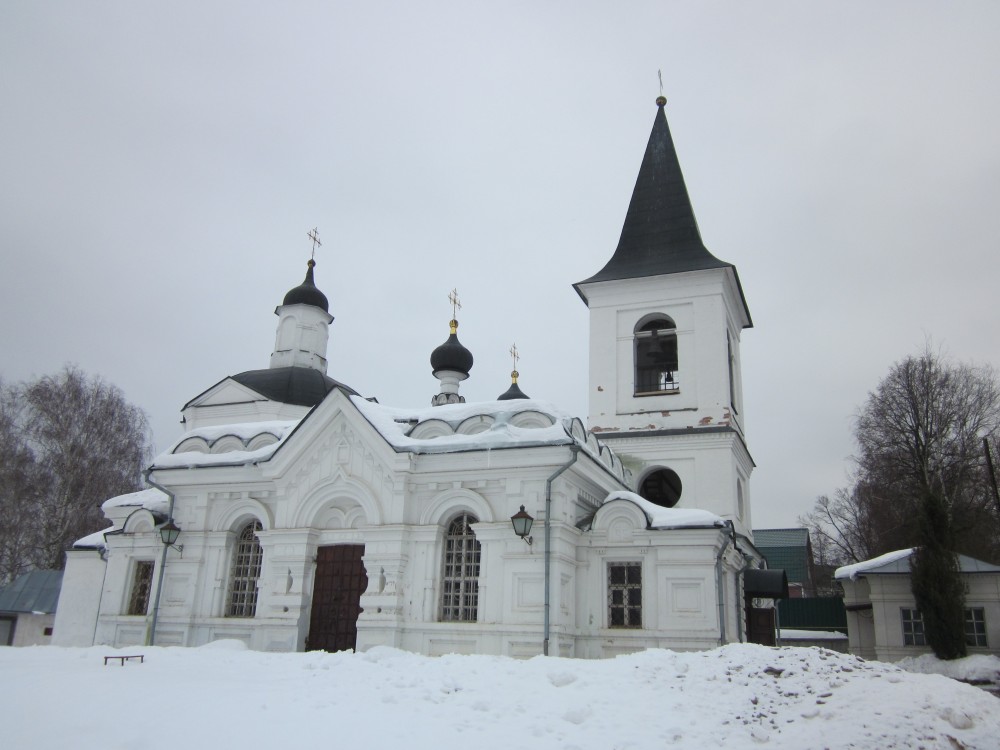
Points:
x=666, y=318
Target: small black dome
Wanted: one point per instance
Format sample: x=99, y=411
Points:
x=306, y=293
x=451, y=355
x=512, y=393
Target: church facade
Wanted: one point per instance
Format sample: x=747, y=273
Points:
x=310, y=517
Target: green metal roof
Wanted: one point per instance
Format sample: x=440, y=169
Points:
x=35, y=591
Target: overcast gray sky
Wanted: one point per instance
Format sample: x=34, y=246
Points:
x=162, y=163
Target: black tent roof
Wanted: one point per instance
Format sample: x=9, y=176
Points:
x=660, y=234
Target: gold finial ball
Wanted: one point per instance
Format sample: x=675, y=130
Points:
x=661, y=100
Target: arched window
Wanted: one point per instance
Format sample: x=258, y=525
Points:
x=662, y=487
x=245, y=570
x=656, y=356
x=460, y=581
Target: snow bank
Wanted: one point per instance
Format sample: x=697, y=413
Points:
x=975, y=668
x=738, y=696
x=787, y=634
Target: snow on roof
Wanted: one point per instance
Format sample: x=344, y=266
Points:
x=898, y=563
x=150, y=498
x=483, y=425
x=207, y=446
x=439, y=429
x=93, y=541
x=870, y=566
x=669, y=518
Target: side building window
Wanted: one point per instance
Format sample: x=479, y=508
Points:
x=656, y=365
x=460, y=579
x=913, y=627
x=142, y=582
x=625, y=595
x=975, y=627
x=245, y=570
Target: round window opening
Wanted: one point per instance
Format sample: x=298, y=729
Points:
x=662, y=487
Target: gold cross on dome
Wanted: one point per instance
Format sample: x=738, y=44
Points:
x=455, y=304
x=514, y=354
x=314, y=236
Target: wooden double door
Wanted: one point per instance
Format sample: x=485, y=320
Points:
x=340, y=581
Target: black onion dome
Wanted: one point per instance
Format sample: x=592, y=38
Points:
x=451, y=355
x=306, y=293
x=514, y=392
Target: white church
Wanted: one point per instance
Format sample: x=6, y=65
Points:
x=294, y=514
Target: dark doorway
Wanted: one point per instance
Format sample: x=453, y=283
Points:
x=760, y=625
x=336, y=603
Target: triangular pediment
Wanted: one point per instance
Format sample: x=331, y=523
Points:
x=334, y=433
x=226, y=392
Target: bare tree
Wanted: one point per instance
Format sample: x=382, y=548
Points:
x=76, y=442
x=920, y=432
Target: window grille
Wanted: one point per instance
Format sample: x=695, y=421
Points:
x=460, y=582
x=142, y=582
x=247, y=559
x=656, y=361
x=975, y=627
x=625, y=595
x=913, y=627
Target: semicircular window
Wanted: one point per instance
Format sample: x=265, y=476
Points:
x=662, y=487
x=656, y=362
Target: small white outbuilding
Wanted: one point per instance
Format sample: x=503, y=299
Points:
x=883, y=621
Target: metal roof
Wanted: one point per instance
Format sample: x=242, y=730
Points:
x=798, y=537
x=302, y=386
x=660, y=234
x=35, y=591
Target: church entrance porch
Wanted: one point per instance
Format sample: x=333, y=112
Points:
x=340, y=581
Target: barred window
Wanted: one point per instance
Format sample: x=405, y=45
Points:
x=247, y=559
x=625, y=595
x=460, y=581
x=975, y=626
x=913, y=627
x=142, y=582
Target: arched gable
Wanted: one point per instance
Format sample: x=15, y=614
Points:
x=237, y=514
x=445, y=506
x=620, y=515
x=335, y=492
x=139, y=521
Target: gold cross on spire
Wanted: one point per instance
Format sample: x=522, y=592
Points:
x=455, y=304
x=659, y=73
x=514, y=354
x=314, y=236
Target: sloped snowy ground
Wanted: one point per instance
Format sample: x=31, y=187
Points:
x=739, y=696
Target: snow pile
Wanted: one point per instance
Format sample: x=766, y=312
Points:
x=790, y=634
x=669, y=518
x=738, y=696
x=978, y=668
x=853, y=571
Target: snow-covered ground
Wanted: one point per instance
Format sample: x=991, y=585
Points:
x=738, y=696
